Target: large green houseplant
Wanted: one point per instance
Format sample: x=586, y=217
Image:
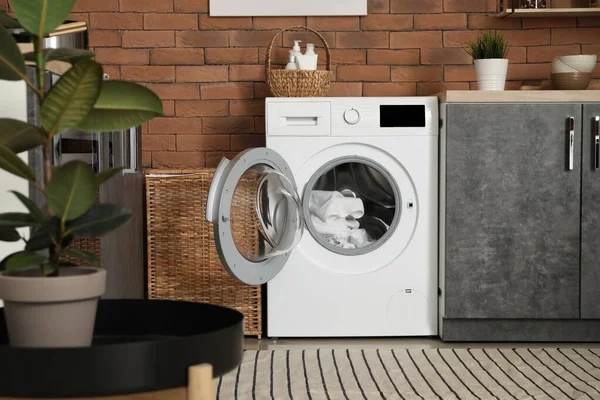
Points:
x=38, y=284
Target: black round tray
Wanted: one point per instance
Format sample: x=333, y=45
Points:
x=139, y=346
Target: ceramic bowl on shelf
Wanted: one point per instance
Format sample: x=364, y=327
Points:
x=571, y=81
x=582, y=63
x=560, y=67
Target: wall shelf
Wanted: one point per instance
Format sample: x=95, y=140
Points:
x=549, y=12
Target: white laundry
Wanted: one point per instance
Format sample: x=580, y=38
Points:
x=359, y=238
x=330, y=206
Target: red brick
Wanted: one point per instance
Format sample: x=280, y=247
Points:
x=202, y=142
x=247, y=107
x=202, y=39
x=115, y=20
x=393, y=57
x=480, y=21
x=411, y=40
x=346, y=56
x=445, y=56
x=547, y=53
x=227, y=91
x=168, y=108
x=247, y=73
x=178, y=160
x=333, y=23
x=146, y=5
x=378, y=6
x=252, y=38
x=213, y=158
x=146, y=159
x=202, y=108
x=517, y=55
x=262, y=90
x=386, y=22
x=83, y=17
x=212, y=23
x=440, y=21
x=556, y=22
x=459, y=73
x=590, y=49
x=202, y=74
x=268, y=23
x=532, y=37
x=460, y=38
x=363, y=40
x=122, y=56
x=158, y=142
x=415, y=7
x=355, y=73
x=243, y=142
x=528, y=71
x=104, y=38
x=305, y=37
x=231, y=56
x=576, y=36
x=389, y=89
x=588, y=22
x=175, y=125
x=259, y=125
x=430, y=89
x=417, y=74
x=345, y=89
x=200, y=6
x=148, y=74
x=95, y=5
x=175, y=91
x=470, y=5
x=113, y=71
x=177, y=56
x=178, y=22
x=228, y=125
x=148, y=39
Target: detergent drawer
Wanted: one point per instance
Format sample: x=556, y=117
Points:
x=299, y=118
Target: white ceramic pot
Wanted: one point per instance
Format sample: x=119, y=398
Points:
x=491, y=73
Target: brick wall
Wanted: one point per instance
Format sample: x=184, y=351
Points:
x=210, y=73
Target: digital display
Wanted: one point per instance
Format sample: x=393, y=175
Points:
x=402, y=116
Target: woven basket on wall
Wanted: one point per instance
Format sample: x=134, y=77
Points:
x=296, y=83
x=183, y=263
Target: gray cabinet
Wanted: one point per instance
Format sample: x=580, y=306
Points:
x=590, y=214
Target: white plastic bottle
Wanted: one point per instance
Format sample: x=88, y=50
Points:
x=309, y=60
x=291, y=61
x=297, y=52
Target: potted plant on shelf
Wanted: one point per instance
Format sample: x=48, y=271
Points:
x=49, y=302
x=491, y=65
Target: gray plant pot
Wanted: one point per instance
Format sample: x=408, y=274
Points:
x=52, y=311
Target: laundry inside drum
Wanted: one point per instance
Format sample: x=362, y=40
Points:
x=352, y=206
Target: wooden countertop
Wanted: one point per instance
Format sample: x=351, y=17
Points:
x=520, y=96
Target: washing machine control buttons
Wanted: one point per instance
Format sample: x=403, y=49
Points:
x=352, y=116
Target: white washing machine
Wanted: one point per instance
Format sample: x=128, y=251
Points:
x=381, y=151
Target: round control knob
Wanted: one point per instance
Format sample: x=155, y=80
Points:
x=352, y=116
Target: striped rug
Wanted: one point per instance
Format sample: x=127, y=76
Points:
x=415, y=374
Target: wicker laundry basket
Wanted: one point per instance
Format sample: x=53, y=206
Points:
x=183, y=263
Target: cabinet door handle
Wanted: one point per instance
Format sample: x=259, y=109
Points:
x=571, y=142
x=597, y=143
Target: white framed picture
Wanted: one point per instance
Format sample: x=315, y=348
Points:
x=278, y=8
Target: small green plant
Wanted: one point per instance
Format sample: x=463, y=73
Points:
x=488, y=45
x=80, y=100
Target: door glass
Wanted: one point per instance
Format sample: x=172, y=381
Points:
x=352, y=206
x=266, y=217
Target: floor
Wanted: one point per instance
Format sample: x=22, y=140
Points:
x=386, y=343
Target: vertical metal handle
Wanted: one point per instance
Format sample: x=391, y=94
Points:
x=571, y=143
x=597, y=143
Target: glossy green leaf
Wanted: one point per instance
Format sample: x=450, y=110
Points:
x=72, y=190
x=44, y=237
x=121, y=105
x=49, y=269
x=18, y=135
x=9, y=234
x=36, y=213
x=73, y=97
x=12, y=64
x=106, y=175
x=11, y=162
x=23, y=260
x=99, y=220
x=65, y=54
x=83, y=255
x=41, y=17
x=9, y=22
x=16, y=220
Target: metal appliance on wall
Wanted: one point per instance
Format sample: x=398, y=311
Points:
x=121, y=252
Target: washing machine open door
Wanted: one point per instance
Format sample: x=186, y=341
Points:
x=257, y=214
